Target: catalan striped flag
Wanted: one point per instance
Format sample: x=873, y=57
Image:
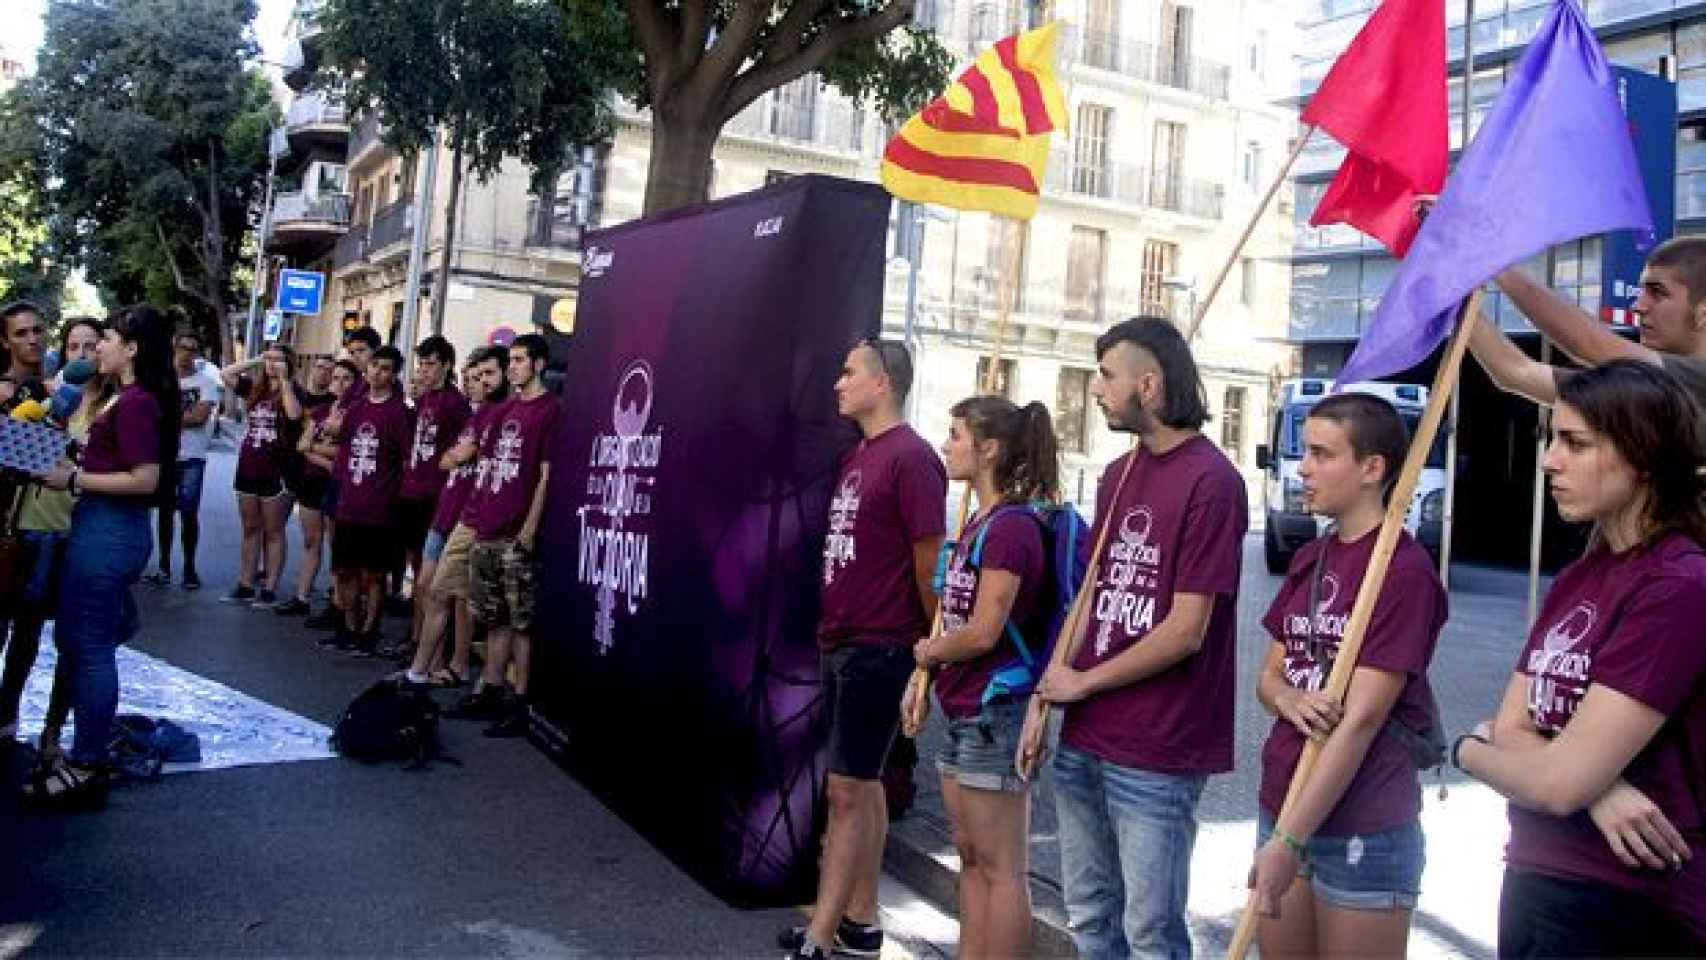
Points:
x=983, y=145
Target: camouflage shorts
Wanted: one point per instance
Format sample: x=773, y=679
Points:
x=502, y=594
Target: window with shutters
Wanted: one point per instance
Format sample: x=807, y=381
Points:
x=1086, y=267
x=1072, y=410
x=1247, y=274
x=1160, y=261
x=1003, y=386
x=1167, y=165
x=1090, y=150
x=1232, y=424
x=1009, y=243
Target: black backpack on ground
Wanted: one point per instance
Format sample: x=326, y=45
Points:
x=388, y=722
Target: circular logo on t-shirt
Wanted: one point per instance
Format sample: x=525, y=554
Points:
x=850, y=483
x=1329, y=592
x=633, y=401
x=1572, y=630
x=1134, y=529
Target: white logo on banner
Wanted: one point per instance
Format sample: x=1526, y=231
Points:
x=613, y=555
x=597, y=261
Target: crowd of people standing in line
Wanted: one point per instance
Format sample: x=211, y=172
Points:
x=1597, y=743
x=395, y=469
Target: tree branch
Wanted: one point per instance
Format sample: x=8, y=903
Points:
x=734, y=45
x=764, y=76
x=695, y=30
x=792, y=29
x=177, y=273
x=648, y=19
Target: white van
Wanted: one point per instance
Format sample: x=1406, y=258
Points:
x=1289, y=524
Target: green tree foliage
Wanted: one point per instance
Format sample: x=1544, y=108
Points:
x=698, y=63
x=153, y=147
x=29, y=268
x=500, y=78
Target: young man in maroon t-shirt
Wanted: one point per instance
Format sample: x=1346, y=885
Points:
x=886, y=522
x=503, y=512
x=1150, y=693
x=440, y=412
x=374, y=445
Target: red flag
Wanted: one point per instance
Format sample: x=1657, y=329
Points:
x=1384, y=100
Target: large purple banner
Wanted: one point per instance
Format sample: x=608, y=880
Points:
x=676, y=671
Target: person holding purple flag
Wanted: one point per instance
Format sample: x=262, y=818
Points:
x=1149, y=698
x=1517, y=191
x=440, y=412
x=374, y=445
x=503, y=513
x=887, y=519
x=1600, y=740
x=1317, y=898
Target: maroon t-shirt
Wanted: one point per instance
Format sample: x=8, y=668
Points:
x=1014, y=544
x=269, y=437
x=374, y=445
x=518, y=443
x=317, y=415
x=1180, y=526
x=1630, y=622
x=892, y=492
x=126, y=435
x=439, y=417
x=1385, y=792
x=454, y=498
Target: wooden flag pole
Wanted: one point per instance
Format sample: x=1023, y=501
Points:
x=1374, y=578
x=1041, y=716
x=912, y=720
x=1249, y=229
x=1537, y=521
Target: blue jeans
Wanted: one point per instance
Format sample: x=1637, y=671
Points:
x=1125, y=855
x=110, y=542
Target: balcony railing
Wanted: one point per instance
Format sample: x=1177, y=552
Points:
x=1144, y=61
x=350, y=248
x=364, y=135
x=296, y=209
x=315, y=109
x=827, y=123
x=393, y=223
x=1134, y=185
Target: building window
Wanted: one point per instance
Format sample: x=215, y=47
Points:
x=1090, y=150
x=1175, y=53
x=1160, y=261
x=1086, y=266
x=1009, y=243
x=793, y=109
x=1232, y=424
x=1247, y=274
x=1101, y=34
x=1167, y=165
x=1253, y=165
x=1072, y=410
x=1003, y=377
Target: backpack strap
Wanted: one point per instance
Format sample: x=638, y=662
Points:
x=1021, y=677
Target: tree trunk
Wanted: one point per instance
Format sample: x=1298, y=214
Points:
x=213, y=239
x=441, y=283
x=680, y=170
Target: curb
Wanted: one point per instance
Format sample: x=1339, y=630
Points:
x=918, y=856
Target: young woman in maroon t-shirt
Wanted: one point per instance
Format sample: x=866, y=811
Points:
x=272, y=410
x=1338, y=874
x=1009, y=457
x=1600, y=741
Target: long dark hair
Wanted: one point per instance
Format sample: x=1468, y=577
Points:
x=151, y=332
x=1659, y=429
x=1028, y=464
x=1184, y=405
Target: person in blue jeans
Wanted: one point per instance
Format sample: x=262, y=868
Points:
x=133, y=435
x=1149, y=693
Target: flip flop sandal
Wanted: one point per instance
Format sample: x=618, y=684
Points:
x=62, y=785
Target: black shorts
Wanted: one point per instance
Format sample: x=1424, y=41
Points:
x=312, y=491
x=265, y=489
x=413, y=518
x=862, y=687
x=1542, y=916
x=365, y=548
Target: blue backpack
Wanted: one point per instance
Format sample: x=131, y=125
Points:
x=1064, y=533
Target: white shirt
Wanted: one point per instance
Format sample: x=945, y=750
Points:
x=202, y=386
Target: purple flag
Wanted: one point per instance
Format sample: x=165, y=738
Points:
x=1554, y=161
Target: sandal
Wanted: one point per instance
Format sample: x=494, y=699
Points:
x=445, y=677
x=159, y=578
x=66, y=786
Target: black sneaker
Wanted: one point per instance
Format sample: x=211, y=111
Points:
x=294, y=607
x=485, y=704
x=340, y=641
x=159, y=578
x=330, y=618
x=513, y=723
x=191, y=581
x=365, y=646
x=807, y=951
x=851, y=939
x=265, y=600
x=239, y=594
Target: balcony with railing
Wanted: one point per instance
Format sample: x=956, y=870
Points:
x=364, y=140
x=317, y=121
x=1144, y=61
x=307, y=226
x=824, y=124
x=1135, y=185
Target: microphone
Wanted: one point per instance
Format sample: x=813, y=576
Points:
x=70, y=392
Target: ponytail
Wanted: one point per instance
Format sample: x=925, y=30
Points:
x=1028, y=464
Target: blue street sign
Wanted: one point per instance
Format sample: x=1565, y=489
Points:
x=1650, y=103
x=300, y=291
